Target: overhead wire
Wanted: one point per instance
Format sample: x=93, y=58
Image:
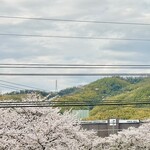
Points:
x=22, y=85
x=55, y=104
x=77, y=37
x=8, y=87
x=73, y=20
x=55, y=101
x=74, y=37
x=12, y=86
x=74, y=74
x=94, y=38
x=42, y=64
x=48, y=64
x=71, y=67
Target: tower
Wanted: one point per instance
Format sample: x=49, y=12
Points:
x=56, y=87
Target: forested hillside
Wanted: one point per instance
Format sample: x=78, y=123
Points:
x=133, y=93
x=116, y=89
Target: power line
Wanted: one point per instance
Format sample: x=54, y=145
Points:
x=65, y=65
x=7, y=87
x=97, y=65
x=12, y=86
x=75, y=67
x=78, y=102
x=74, y=37
x=72, y=20
x=65, y=102
x=54, y=104
x=74, y=74
x=21, y=85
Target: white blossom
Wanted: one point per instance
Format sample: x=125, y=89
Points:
x=129, y=139
x=42, y=129
x=48, y=129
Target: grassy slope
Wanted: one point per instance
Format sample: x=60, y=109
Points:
x=132, y=93
x=115, y=89
x=96, y=91
x=17, y=97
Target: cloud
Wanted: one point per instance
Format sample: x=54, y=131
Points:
x=54, y=50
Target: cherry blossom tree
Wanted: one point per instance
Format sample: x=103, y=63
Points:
x=47, y=129
x=129, y=139
x=42, y=129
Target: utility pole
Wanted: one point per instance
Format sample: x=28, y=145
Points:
x=0, y=93
x=56, y=86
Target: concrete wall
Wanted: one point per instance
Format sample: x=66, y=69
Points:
x=111, y=126
x=98, y=127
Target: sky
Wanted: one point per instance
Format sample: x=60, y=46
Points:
x=72, y=51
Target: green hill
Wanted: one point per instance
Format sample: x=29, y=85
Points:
x=104, y=90
x=98, y=90
x=118, y=89
x=132, y=93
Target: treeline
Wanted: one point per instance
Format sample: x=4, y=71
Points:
x=64, y=92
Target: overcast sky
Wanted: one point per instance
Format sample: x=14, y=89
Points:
x=72, y=51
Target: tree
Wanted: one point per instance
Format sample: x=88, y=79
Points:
x=42, y=129
x=47, y=129
x=130, y=139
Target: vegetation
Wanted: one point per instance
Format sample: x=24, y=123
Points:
x=130, y=139
x=68, y=91
x=17, y=97
x=42, y=129
x=117, y=89
x=98, y=90
x=48, y=129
